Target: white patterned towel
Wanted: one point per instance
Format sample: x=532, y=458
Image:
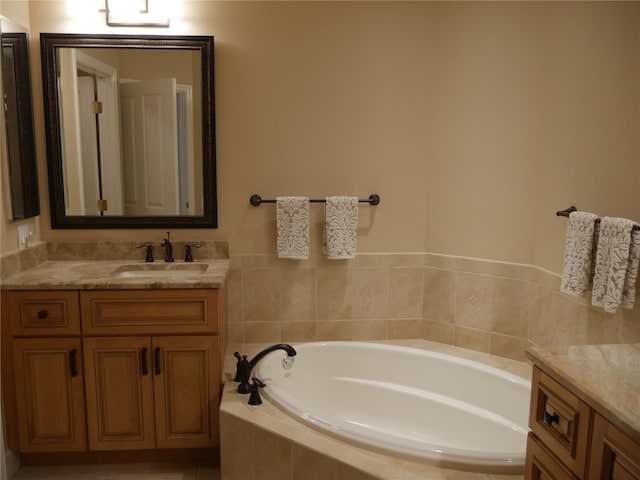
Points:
x=292, y=217
x=612, y=263
x=629, y=291
x=578, y=254
x=341, y=224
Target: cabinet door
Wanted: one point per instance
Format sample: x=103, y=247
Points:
x=119, y=393
x=541, y=465
x=560, y=420
x=614, y=455
x=187, y=391
x=49, y=394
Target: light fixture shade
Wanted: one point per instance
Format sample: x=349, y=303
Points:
x=142, y=13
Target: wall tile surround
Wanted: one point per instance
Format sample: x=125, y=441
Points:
x=488, y=306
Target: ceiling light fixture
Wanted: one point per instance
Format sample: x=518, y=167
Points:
x=136, y=13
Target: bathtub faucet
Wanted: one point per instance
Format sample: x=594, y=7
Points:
x=244, y=366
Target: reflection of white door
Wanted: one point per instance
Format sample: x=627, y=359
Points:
x=150, y=147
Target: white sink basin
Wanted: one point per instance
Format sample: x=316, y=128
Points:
x=160, y=270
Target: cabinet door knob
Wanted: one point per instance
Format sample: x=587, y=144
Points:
x=156, y=360
x=42, y=314
x=73, y=368
x=550, y=419
x=143, y=361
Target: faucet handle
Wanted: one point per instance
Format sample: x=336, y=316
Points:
x=188, y=257
x=254, y=398
x=149, y=247
x=243, y=372
x=242, y=361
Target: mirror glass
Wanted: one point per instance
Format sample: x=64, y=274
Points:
x=18, y=111
x=130, y=125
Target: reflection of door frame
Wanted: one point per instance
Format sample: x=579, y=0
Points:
x=109, y=128
x=74, y=167
x=185, y=149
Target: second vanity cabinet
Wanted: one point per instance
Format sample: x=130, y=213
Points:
x=117, y=370
x=571, y=440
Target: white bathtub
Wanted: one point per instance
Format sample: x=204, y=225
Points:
x=425, y=405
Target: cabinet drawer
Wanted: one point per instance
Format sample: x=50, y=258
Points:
x=614, y=455
x=44, y=313
x=106, y=312
x=541, y=465
x=560, y=420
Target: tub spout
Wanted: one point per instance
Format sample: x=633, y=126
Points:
x=244, y=366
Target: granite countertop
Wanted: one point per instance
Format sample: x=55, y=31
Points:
x=117, y=274
x=607, y=377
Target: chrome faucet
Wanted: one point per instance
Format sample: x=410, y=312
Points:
x=244, y=366
x=168, y=255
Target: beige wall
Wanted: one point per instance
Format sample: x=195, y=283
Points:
x=16, y=19
x=475, y=122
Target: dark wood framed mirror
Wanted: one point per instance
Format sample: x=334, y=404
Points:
x=18, y=111
x=130, y=125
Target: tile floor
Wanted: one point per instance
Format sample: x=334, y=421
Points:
x=135, y=471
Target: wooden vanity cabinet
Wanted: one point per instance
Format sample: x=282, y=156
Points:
x=115, y=370
x=49, y=394
x=614, y=455
x=42, y=371
x=152, y=392
x=571, y=440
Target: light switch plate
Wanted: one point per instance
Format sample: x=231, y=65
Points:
x=26, y=233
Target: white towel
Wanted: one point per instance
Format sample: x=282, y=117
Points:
x=612, y=263
x=292, y=217
x=578, y=254
x=341, y=224
x=629, y=291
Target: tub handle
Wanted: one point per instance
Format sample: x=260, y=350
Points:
x=550, y=419
x=254, y=398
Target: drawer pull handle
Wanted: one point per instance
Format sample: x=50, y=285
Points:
x=72, y=362
x=143, y=361
x=551, y=419
x=156, y=360
x=42, y=314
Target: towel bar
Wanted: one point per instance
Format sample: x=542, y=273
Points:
x=566, y=212
x=256, y=200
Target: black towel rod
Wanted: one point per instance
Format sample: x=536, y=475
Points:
x=566, y=212
x=256, y=200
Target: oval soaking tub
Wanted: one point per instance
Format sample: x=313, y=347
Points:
x=426, y=405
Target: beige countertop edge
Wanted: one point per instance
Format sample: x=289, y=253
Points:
x=591, y=379
x=94, y=275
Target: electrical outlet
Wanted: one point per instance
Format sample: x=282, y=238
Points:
x=26, y=233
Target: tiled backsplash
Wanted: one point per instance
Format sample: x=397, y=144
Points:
x=489, y=306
